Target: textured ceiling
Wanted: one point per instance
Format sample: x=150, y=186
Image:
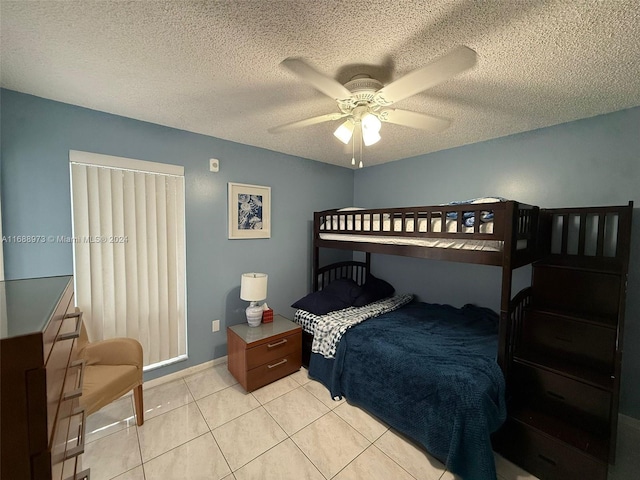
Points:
x=213, y=67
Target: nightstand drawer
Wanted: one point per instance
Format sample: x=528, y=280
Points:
x=273, y=350
x=274, y=370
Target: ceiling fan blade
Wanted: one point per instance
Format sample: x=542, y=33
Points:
x=445, y=67
x=321, y=82
x=414, y=120
x=307, y=122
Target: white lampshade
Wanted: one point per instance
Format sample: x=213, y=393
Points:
x=253, y=287
x=345, y=131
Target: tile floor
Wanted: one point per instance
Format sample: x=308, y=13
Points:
x=205, y=426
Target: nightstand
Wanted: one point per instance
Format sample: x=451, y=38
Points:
x=263, y=354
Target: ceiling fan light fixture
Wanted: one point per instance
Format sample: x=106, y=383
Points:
x=344, y=132
x=370, y=129
x=371, y=123
x=369, y=137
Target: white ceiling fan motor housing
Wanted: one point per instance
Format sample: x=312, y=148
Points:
x=363, y=87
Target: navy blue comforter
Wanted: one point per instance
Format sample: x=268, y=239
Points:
x=429, y=371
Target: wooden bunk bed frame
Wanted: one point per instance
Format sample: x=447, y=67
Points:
x=513, y=224
x=577, y=255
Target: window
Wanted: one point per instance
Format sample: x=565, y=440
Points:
x=129, y=252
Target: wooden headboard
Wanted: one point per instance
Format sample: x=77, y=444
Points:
x=352, y=269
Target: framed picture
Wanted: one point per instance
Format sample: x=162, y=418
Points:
x=249, y=211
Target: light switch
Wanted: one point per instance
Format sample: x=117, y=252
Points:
x=214, y=164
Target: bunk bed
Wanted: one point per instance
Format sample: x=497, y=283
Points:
x=484, y=231
x=505, y=234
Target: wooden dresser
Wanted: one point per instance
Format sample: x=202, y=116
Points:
x=263, y=354
x=564, y=378
x=42, y=434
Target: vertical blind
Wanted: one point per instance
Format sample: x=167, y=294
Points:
x=129, y=252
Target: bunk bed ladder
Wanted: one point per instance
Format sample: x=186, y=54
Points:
x=564, y=350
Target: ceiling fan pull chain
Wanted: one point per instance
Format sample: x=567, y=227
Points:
x=353, y=151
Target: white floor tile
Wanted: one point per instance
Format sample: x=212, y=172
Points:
x=198, y=459
x=112, y=418
x=450, y=476
x=133, y=474
x=165, y=397
x=367, y=425
x=322, y=393
x=285, y=461
x=330, y=443
x=114, y=455
x=290, y=429
x=296, y=409
x=301, y=376
x=275, y=389
x=210, y=381
x=372, y=464
x=245, y=438
x=167, y=431
x=225, y=405
x=413, y=459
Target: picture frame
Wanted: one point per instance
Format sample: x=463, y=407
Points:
x=249, y=211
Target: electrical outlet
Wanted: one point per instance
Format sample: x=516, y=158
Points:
x=215, y=325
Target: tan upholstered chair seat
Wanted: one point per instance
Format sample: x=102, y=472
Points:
x=112, y=368
x=103, y=383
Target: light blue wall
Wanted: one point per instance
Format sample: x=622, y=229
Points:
x=37, y=135
x=589, y=162
x=595, y=161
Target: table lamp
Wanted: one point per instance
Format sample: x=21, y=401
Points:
x=253, y=288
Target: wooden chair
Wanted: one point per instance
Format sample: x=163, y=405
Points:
x=113, y=367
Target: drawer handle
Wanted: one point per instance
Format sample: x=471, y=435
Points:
x=83, y=475
x=555, y=395
x=78, y=390
x=79, y=448
x=281, y=362
x=277, y=344
x=547, y=459
x=76, y=332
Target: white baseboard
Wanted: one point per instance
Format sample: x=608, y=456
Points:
x=183, y=373
x=629, y=421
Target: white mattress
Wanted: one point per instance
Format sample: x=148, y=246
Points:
x=484, y=245
x=346, y=223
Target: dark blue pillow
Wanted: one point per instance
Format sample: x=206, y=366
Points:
x=337, y=295
x=345, y=289
x=373, y=289
x=321, y=303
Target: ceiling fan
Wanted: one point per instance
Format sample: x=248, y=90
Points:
x=365, y=102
